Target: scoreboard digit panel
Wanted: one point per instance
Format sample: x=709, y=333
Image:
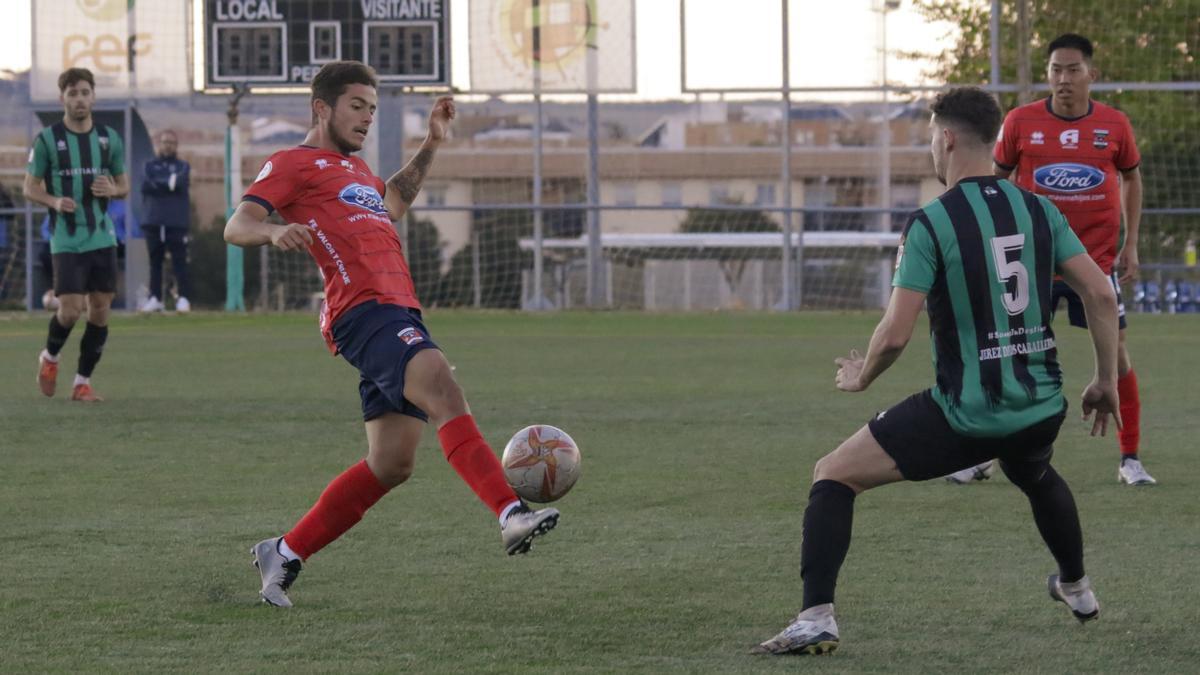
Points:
x=281, y=43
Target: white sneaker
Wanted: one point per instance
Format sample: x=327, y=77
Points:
x=813, y=632
x=183, y=306
x=1077, y=595
x=1131, y=472
x=151, y=304
x=979, y=472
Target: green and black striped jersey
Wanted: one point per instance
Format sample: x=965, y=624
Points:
x=986, y=253
x=69, y=163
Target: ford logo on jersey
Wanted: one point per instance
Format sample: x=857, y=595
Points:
x=364, y=197
x=1068, y=177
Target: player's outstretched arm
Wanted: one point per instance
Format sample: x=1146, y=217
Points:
x=403, y=186
x=887, y=343
x=248, y=227
x=1100, y=306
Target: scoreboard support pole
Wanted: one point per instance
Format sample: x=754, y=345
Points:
x=235, y=281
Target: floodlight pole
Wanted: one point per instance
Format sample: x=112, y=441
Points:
x=539, y=231
x=595, y=282
x=130, y=104
x=793, y=255
x=234, y=263
x=29, y=232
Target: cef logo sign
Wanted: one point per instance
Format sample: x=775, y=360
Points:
x=94, y=34
x=105, y=10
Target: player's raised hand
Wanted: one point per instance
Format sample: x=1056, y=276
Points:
x=1127, y=262
x=64, y=204
x=439, y=118
x=849, y=369
x=291, y=237
x=1103, y=401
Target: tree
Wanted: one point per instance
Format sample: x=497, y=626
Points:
x=1136, y=41
x=501, y=261
x=424, y=253
x=732, y=260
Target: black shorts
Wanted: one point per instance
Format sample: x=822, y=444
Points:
x=380, y=340
x=88, y=272
x=1075, y=313
x=918, y=438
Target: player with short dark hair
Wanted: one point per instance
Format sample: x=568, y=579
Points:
x=982, y=258
x=1082, y=155
x=342, y=214
x=75, y=168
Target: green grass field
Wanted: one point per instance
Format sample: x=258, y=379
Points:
x=125, y=526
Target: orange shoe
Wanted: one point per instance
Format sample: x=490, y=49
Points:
x=83, y=392
x=47, y=375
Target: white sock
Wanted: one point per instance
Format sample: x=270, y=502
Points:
x=49, y=357
x=286, y=551
x=508, y=510
x=79, y=379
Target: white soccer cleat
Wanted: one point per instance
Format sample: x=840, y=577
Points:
x=182, y=305
x=277, y=572
x=1131, y=472
x=1078, y=596
x=813, y=632
x=523, y=524
x=151, y=304
x=972, y=473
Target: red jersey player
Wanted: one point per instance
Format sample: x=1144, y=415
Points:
x=1083, y=156
x=342, y=214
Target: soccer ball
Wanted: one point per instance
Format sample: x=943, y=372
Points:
x=541, y=463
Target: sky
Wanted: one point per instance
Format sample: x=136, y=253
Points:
x=731, y=43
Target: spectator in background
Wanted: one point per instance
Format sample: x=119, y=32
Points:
x=165, y=190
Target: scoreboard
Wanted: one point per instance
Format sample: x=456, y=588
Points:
x=282, y=43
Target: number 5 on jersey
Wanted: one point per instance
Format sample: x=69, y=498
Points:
x=1014, y=302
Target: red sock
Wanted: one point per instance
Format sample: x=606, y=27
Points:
x=340, y=506
x=1131, y=412
x=475, y=462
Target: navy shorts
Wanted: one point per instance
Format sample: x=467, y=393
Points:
x=380, y=340
x=916, y=435
x=88, y=272
x=1075, y=314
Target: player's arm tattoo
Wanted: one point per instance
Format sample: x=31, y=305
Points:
x=408, y=180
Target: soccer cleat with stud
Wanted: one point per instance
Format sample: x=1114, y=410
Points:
x=83, y=392
x=972, y=473
x=1077, y=596
x=47, y=374
x=1131, y=472
x=814, y=632
x=277, y=572
x=182, y=305
x=523, y=524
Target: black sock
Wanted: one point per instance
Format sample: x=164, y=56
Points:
x=1057, y=520
x=58, y=336
x=90, y=348
x=827, y=523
